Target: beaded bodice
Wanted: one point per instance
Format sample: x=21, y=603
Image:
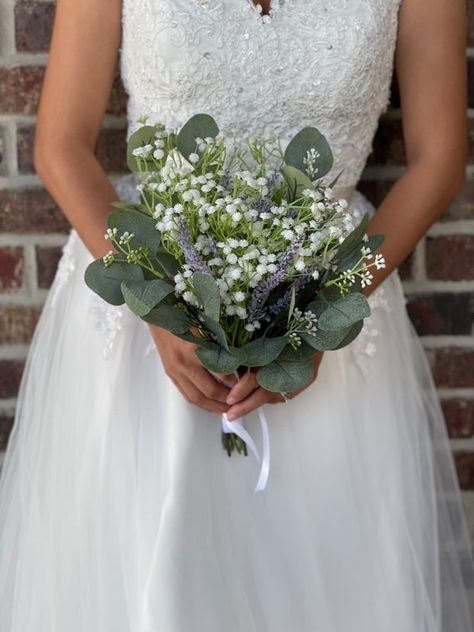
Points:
x=326, y=63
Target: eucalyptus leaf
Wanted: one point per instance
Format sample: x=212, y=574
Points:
x=351, y=334
x=353, y=240
x=286, y=373
x=374, y=242
x=218, y=359
x=169, y=317
x=144, y=135
x=167, y=262
x=324, y=340
x=305, y=140
x=140, y=224
x=344, y=312
x=208, y=295
x=200, y=125
x=106, y=280
x=142, y=296
x=217, y=331
x=297, y=181
x=262, y=351
x=126, y=205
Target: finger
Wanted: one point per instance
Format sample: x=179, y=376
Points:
x=197, y=397
x=256, y=399
x=228, y=380
x=244, y=387
x=206, y=383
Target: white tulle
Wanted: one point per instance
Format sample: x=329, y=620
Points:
x=121, y=512
x=119, y=509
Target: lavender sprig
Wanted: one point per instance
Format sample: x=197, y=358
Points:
x=263, y=289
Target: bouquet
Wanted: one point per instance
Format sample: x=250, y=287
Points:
x=241, y=248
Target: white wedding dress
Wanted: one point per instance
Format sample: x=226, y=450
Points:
x=119, y=509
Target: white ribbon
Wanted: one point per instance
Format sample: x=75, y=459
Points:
x=238, y=427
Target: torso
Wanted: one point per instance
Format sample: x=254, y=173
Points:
x=326, y=63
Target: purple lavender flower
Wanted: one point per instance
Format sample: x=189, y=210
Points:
x=191, y=255
x=298, y=285
x=264, y=288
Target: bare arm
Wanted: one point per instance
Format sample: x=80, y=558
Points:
x=76, y=89
x=431, y=68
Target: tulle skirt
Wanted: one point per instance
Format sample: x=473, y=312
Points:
x=121, y=512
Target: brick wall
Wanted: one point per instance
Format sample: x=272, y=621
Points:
x=438, y=276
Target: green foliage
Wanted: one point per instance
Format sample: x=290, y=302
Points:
x=142, y=296
x=353, y=240
x=285, y=374
x=207, y=293
x=296, y=180
x=304, y=141
x=143, y=136
x=218, y=359
x=344, y=312
x=106, y=280
x=262, y=351
x=199, y=125
x=169, y=317
x=140, y=224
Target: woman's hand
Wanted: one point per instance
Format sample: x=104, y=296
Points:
x=197, y=384
x=247, y=395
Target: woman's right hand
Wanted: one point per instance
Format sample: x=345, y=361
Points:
x=195, y=382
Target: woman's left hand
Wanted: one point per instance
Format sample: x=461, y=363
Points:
x=246, y=396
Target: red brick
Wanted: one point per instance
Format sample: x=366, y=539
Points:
x=450, y=258
x=388, y=147
x=453, y=367
x=17, y=324
x=442, y=314
x=21, y=88
x=3, y=154
x=375, y=190
x=33, y=26
x=459, y=415
x=25, y=141
x=463, y=205
x=11, y=268
x=30, y=211
x=111, y=150
x=405, y=270
x=470, y=23
x=10, y=376
x=471, y=139
x=465, y=468
x=6, y=424
x=47, y=262
x=118, y=97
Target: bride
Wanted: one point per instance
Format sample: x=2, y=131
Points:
x=119, y=509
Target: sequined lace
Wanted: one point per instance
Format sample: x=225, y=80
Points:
x=326, y=63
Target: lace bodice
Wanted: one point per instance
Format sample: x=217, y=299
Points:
x=326, y=63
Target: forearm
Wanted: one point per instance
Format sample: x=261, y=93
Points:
x=414, y=203
x=75, y=179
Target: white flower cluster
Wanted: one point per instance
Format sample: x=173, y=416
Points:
x=230, y=217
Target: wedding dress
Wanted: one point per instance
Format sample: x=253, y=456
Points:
x=119, y=509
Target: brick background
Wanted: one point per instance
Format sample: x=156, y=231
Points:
x=438, y=277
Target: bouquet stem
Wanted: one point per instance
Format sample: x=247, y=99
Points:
x=232, y=443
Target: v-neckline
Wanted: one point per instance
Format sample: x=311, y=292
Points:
x=255, y=6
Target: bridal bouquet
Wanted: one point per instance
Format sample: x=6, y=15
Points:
x=241, y=248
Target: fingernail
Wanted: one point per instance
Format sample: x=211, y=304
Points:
x=230, y=416
x=230, y=400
